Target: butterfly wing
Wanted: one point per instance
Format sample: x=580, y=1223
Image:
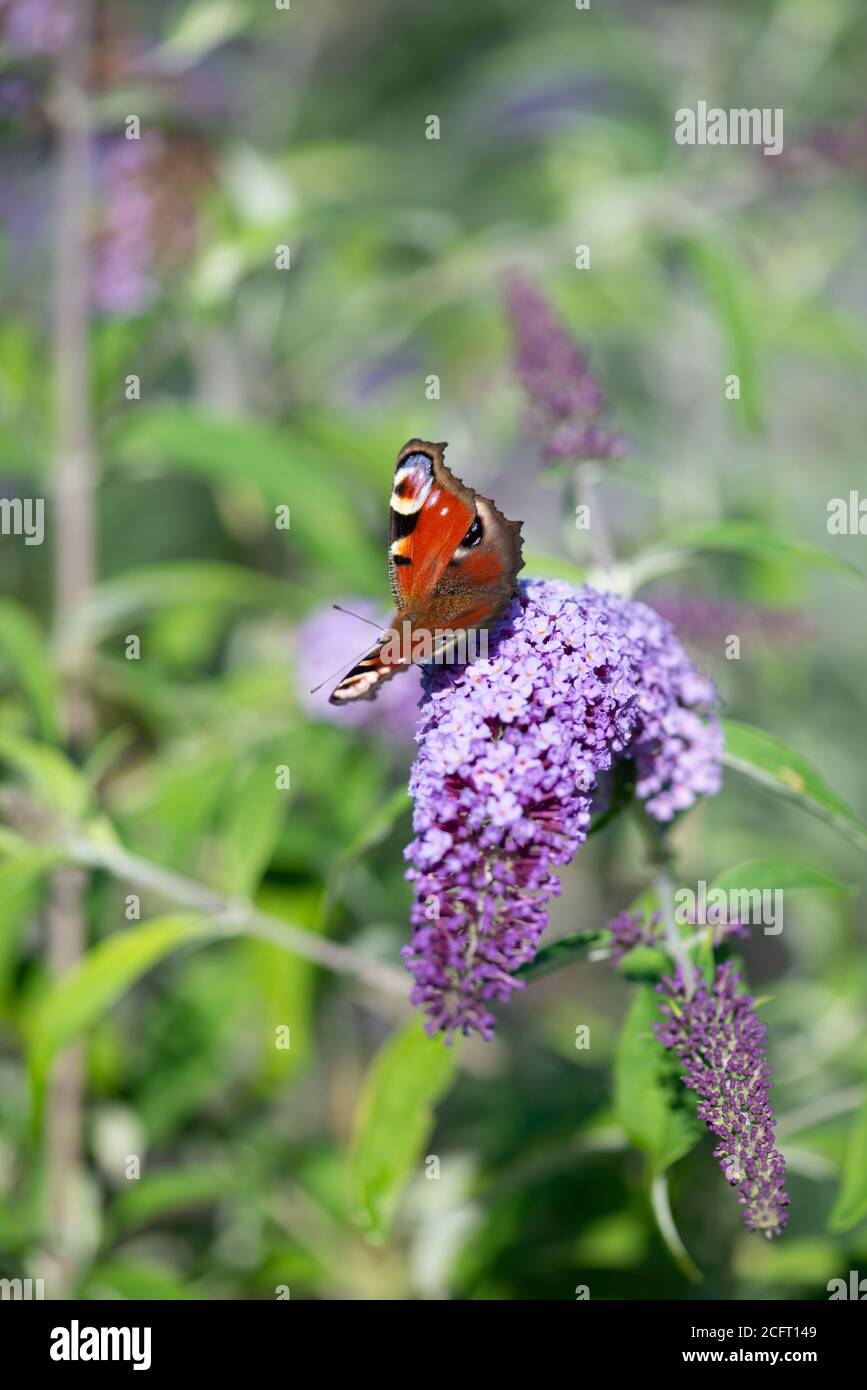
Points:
x=453, y=556
x=453, y=563
x=365, y=678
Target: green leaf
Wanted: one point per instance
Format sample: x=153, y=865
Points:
x=850, y=1206
x=758, y=875
x=724, y=281
x=133, y=1280
x=375, y=828
x=407, y=1077
x=170, y=1190
x=759, y=542
x=141, y=593
x=560, y=953
x=283, y=984
x=52, y=778
x=73, y=1003
x=647, y=1088
x=286, y=471
x=749, y=539
x=24, y=649
x=251, y=829
x=773, y=764
x=21, y=882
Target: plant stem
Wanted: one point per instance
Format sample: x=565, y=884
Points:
x=662, y=860
x=668, y=1230
x=73, y=580
x=236, y=914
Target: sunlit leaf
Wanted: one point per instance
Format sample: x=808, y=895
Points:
x=284, y=469
x=251, y=829
x=395, y=1117
x=761, y=875
x=749, y=539
x=850, y=1206
x=773, y=764
x=24, y=649
x=648, y=1094
x=51, y=777
x=170, y=1190
x=75, y=1001
x=723, y=278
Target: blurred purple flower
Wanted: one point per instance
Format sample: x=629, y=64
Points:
x=704, y=621
x=326, y=639
x=720, y=1041
x=123, y=256
x=36, y=27
x=844, y=144
x=550, y=103
x=565, y=401
x=629, y=930
x=510, y=751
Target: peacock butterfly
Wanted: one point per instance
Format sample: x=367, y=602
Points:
x=453, y=562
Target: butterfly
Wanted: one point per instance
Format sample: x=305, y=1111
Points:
x=453, y=561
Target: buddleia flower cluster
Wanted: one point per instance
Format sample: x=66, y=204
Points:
x=511, y=750
x=565, y=402
x=720, y=1043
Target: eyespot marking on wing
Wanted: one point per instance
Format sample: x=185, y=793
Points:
x=475, y=535
x=413, y=481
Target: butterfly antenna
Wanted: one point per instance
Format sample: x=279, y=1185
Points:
x=345, y=667
x=349, y=613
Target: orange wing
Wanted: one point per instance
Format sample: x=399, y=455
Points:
x=431, y=513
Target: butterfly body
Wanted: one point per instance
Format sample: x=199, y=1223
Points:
x=453, y=563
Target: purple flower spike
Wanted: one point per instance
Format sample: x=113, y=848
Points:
x=510, y=751
x=565, y=401
x=629, y=930
x=720, y=1042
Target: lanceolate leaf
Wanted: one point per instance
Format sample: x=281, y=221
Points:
x=760, y=875
x=649, y=1097
x=22, y=648
x=560, y=953
x=409, y=1074
x=749, y=539
x=51, y=777
x=752, y=539
x=252, y=828
x=70, y=1005
x=851, y=1204
x=773, y=764
x=286, y=471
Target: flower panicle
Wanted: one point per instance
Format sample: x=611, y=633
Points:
x=510, y=752
x=719, y=1040
x=565, y=402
